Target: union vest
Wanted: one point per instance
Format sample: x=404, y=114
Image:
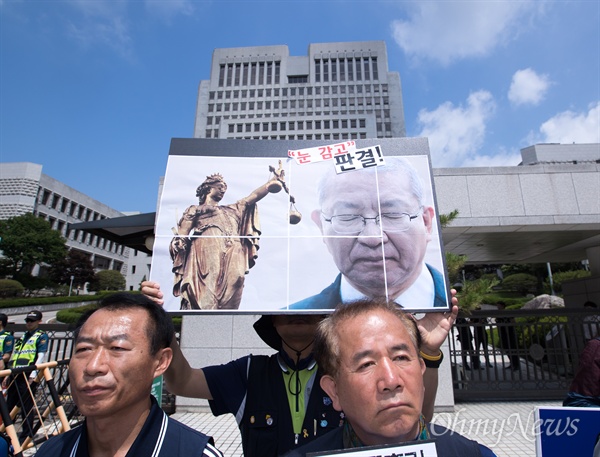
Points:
x=25, y=352
x=266, y=427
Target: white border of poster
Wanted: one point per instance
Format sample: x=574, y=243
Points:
x=292, y=262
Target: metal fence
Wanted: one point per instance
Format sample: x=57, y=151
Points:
x=517, y=355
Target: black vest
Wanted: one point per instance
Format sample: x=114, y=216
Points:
x=266, y=427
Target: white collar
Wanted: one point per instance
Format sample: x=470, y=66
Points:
x=412, y=298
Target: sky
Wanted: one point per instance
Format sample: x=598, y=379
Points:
x=94, y=90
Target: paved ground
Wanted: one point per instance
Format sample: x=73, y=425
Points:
x=505, y=427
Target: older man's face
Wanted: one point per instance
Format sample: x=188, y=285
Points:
x=379, y=385
x=360, y=257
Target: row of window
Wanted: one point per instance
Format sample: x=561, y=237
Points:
x=310, y=136
x=299, y=104
x=299, y=91
x=325, y=70
x=66, y=206
x=346, y=69
x=297, y=125
x=83, y=237
x=249, y=73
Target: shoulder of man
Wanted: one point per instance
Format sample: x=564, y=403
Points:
x=59, y=445
x=191, y=442
x=328, y=298
x=450, y=443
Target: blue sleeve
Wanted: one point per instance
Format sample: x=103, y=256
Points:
x=9, y=344
x=485, y=451
x=228, y=384
x=42, y=343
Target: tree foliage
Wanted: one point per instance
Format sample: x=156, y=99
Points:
x=76, y=264
x=520, y=282
x=28, y=240
x=107, y=280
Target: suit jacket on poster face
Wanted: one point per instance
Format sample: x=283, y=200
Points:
x=330, y=297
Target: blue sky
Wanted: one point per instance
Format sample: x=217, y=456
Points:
x=95, y=90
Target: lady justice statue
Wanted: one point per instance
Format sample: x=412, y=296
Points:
x=216, y=245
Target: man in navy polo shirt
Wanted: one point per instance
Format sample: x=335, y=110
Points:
x=119, y=349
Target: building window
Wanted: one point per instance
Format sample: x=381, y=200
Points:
x=253, y=74
x=245, y=75
x=221, y=75
x=317, y=71
x=342, y=70
x=375, y=69
x=277, y=72
x=261, y=73
x=325, y=71
x=269, y=72
x=238, y=70
x=366, y=67
x=229, y=73
x=350, y=70
x=333, y=70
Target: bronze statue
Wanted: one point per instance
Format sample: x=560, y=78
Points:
x=216, y=245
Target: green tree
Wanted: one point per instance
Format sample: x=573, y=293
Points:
x=28, y=240
x=107, y=280
x=76, y=264
x=520, y=282
x=473, y=292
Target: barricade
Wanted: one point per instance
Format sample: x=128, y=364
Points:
x=53, y=411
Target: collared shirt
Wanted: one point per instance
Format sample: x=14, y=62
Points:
x=160, y=436
x=411, y=298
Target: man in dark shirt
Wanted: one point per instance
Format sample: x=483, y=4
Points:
x=371, y=356
x=119, y=349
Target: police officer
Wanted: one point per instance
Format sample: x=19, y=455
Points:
x=7, y=341
x=28, y=350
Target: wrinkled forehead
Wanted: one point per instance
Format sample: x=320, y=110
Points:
x=359, y=190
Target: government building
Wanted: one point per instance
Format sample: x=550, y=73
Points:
x=337, y=91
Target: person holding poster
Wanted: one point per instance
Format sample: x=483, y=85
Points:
x=215, y=245
x=377, y=229
x=277, y=400
x=370, y=355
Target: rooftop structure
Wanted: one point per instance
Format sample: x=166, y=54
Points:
x=338, y=91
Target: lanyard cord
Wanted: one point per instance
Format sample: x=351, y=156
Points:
x=298, y=389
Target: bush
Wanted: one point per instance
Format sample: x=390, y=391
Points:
x=107, y=280
x=520, y=282
x=560, y=277
x=72, y=315
x=10, y=288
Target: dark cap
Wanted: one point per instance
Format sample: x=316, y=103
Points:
x=266, y=330
x=34, y=316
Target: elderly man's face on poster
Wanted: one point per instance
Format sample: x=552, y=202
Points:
x=370, y=232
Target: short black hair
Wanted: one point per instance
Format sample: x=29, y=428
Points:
x=160, y=331
x=3, y=319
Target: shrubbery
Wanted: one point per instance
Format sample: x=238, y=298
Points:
x=10, y=288
x=520, y=282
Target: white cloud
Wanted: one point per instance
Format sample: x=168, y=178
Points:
x=169, y=8
x=457, y=133
x=452, y=30
x=103, y=22
x=528, y=88
x=570, y=127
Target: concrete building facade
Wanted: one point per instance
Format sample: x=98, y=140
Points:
x=24, y=188
x=337, y=91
